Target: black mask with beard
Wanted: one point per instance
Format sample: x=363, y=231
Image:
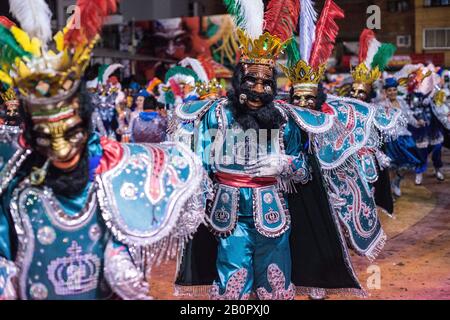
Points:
x=266, y=117
x=61, y=182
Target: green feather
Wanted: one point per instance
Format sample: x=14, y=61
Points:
x=234, y=9
x=293, y=53
x=101, y=72
x=383, y=55
x=169, y=97
x=10, y=49
x=180, y=70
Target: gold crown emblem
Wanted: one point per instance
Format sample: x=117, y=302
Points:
x=51, y=75
x=8, y=95
x=362, y=74
x=264, y=50
x=204, y=89
x=303, y=74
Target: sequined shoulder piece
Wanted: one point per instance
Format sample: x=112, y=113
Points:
x=309, y=120
x=352, y=131
x=387, y=119
x=153, y=198
x=194, y=110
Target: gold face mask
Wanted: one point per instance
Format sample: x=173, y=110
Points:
x=360, y=91
x=305, y=96
x=60, y=136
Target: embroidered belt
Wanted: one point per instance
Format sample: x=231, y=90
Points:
x=243, y=181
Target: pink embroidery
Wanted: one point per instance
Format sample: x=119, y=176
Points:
x=277, y=281
x=233, y=289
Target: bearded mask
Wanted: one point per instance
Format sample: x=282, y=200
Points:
x=257, y=85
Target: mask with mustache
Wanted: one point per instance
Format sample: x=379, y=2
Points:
x=264, y=117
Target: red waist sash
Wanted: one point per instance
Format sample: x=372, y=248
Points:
x=243, y=181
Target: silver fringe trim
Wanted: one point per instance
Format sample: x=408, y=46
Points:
x=378, y=245
x=192, y=291
x=312, y=291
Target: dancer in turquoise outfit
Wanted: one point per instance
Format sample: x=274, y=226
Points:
x=83, y=217
x=257, y=151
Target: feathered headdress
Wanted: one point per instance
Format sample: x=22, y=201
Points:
x=373, y=58
x=307, y=61
x=412, y=76
x=205, y=86
x=7, y=92
x=263, y=35
x=44, y=76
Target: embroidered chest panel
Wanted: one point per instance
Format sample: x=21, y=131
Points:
x=60, y=255
x=235, y=148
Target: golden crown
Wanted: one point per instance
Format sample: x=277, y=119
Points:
x=264, y=50
x=52, y=75
x=8, y=95
x=204, y=89
x=362, y=74
x=303, y=74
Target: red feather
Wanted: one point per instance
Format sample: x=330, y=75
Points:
x=281, y=18
x=92, y=16
x=175, y=88
x=4, y=21
x=326, y=33
x=208, y=65
x=364, y=39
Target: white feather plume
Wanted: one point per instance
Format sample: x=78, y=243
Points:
x=197, y=67
x=374, y=45
x=406, y=70
x=34, y=17
x=109, y=71
x=307, y=28
x=250, y=17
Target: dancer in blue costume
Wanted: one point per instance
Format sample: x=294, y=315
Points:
x=402, y=151
x=257, y=151
x=83, y=217
x=373, y=59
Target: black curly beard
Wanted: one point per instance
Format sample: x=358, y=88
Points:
x=62, y=183
x=69, y=183
x=266, y=117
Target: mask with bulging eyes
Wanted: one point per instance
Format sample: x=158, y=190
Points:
x=257, y=85
x=59, y=133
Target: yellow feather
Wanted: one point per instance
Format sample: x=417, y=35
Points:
x=5, y=78
x=59, y=41
x=22, y=38
x=23, y=70
x=35, y=47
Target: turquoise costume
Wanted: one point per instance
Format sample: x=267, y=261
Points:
x=89, y=246
x=250, y=214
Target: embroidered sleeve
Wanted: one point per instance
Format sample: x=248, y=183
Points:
x=8, y=272
x=124, y=277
